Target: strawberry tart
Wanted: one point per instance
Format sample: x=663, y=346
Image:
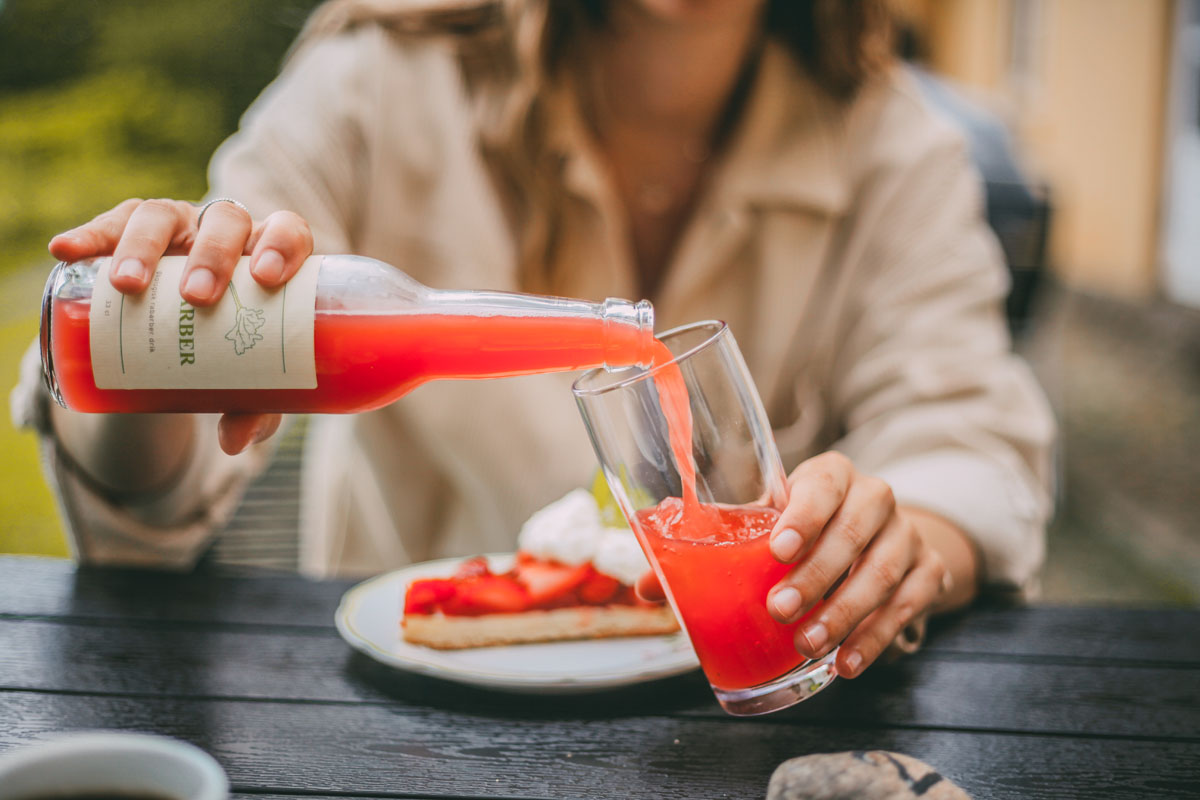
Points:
x=572, y=579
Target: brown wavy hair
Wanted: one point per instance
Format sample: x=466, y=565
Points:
x=510, y=50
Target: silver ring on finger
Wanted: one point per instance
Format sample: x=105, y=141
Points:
x=216, y=200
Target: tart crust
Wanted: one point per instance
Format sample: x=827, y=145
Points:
x=445, y=632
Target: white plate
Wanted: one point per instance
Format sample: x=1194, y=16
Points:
x=369, y=620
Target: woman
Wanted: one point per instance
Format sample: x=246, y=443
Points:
x=760, y=162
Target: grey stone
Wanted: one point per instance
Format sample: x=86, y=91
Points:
x=861, y=775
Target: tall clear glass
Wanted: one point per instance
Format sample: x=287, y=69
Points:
x=713, y=560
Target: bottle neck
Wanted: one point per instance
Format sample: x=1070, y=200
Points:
x=629, y=328
x=614, y=333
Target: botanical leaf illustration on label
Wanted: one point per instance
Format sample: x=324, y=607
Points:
x=244, y=333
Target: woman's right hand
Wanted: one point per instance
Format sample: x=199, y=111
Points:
x=137, y=233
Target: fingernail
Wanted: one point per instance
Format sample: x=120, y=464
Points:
x=853, y=662
x=131, y=268
x=200, y=283
x=786, y=544
x=269, y=266
x=787, y=602
x=817, y=636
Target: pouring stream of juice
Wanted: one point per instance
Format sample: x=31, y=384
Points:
x=673, y=395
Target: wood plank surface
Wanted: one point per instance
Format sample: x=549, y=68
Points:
x=35, y=587
x=294, y=747
x=1165, y=636
x=924, y=691
x=257, y=795
x=1008, y=702
x=225, y=596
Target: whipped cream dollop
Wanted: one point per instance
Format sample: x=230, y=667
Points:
x=570, y=531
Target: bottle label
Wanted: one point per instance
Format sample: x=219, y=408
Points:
x=254, y=338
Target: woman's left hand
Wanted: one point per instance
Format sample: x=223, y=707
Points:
x=839, y=522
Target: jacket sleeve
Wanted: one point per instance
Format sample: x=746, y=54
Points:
x=298, y=148
x=170, y=529
x=929, y=393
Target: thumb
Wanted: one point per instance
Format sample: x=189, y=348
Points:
x=649, y=589
x=236, y=432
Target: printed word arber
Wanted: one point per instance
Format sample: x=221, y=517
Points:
x=187, y=328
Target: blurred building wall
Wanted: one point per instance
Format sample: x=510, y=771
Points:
x=1083, y=85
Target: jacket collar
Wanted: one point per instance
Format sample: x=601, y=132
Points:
x=785, y=151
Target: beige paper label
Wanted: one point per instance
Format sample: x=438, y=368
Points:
x=254, y=338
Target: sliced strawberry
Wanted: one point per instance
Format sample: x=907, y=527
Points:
x=547, y=581
x=598, y=588
x=424, y=596
x=487, y=594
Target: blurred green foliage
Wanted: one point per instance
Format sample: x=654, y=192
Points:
x=100, y=101
x=65, y=157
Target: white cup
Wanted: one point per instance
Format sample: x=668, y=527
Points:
x=112, y=763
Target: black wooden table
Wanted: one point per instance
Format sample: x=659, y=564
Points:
x=1012, y=703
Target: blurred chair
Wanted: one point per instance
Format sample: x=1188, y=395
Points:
x=1020, y=216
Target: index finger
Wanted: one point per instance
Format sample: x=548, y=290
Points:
x=817, y=489
x=97, y=237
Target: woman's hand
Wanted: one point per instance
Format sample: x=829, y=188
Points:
x=902, y=564
x=138, y=232
x=839, y=522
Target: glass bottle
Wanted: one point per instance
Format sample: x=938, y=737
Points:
x=347, y=334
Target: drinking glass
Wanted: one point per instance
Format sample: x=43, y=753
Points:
x=713, y=560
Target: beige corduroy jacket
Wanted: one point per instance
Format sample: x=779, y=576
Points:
x=844, y=245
